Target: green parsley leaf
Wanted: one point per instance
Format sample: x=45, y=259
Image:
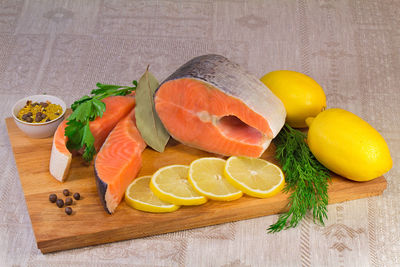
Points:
x=99, y=107
x=88, y=143
x=80, y=101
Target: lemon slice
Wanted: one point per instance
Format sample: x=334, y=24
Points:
x=255, y=177
x=171, y=185
x=139, y=196
x=207, y=177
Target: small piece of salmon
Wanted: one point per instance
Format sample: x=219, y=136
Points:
x=117, y=107
x=213, y=104
x=60, y=158
x=118, y=162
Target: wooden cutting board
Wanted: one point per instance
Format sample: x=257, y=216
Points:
x=91, y=225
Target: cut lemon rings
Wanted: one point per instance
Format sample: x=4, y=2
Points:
x=170, y=184
x=255, y=177
x=139, y=196
x=207, y=177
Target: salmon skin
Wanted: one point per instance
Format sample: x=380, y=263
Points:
x=213, y=104
x=118, y=162
x=117, y=107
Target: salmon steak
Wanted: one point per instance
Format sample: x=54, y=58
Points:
x=118, y=162
x=213, y=104
x=117, y=107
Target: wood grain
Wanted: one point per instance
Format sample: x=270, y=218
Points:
x=91, y=225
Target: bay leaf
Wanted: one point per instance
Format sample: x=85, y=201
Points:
x=147, y=121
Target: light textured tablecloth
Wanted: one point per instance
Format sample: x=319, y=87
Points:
x=352, y=48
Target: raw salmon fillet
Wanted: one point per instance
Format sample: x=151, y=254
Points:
x=213, y=104
x=118, y=162
x=117, y=107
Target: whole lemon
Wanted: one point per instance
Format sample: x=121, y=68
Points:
x=302, y=96
x=348, y=145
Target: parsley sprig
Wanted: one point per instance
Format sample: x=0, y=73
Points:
x=306, y=180
x=87, y=109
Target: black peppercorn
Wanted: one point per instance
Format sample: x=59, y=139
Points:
x=44, y=104
x=68, y=201
x=53, y=198
x=66, y=192
x=38, y=117
x=60, y=203
x=68, y=210
x=77, y=196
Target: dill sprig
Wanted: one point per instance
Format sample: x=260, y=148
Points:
x=306, y=180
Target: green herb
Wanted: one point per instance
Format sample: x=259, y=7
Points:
x=87, y=109
x=149, y=124
x=306, y=180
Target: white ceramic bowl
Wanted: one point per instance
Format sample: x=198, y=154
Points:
x=43, y=129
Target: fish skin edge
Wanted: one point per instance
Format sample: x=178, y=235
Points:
x=101, y=189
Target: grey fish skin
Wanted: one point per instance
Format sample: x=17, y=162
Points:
x=233, y=80
x=101, y=190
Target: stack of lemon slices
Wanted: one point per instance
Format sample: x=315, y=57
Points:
x=206, y=178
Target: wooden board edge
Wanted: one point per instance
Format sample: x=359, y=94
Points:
x=367, y=189
x=131, y=232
